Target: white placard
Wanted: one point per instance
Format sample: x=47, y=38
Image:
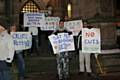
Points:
x=91, y=40
x=51, y=23
x=74, y=26
x=22, y=40
x=34, y=19
x=62, y=42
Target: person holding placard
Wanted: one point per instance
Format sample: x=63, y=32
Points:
x=35, y=43
x=84, y=58
x=20, y=59
x=6, y=51
x=62, y=57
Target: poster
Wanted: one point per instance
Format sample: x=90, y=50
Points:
x=91, y=40
x=62, y=42
x=22, y=40
x=34, y=19
x=51, y=23
x=74, y=26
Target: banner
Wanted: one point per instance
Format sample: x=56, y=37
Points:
x=22, y=40
x=62, y=42
x=51, y=23
x=74, y=26
x=91, y=41
x=34, y=19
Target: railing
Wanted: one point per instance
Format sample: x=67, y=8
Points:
x=108, y=61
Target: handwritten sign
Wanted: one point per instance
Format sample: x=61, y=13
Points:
x=51, y=23
x=62, y=42
x=34, y=19
x=91, y=41
x=22, y=40
x=74, y=26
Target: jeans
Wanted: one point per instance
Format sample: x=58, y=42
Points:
x=63, y=65
x=20, y=64
x=5, y=75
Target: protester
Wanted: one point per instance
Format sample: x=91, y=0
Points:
x=6, y=52
x=62, y=57
x=35, y=43
x=20, y=59
x=84, y=58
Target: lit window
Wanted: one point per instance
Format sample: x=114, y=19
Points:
x=30, y=6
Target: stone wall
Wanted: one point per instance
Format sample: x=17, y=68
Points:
x=81, y=9
x=108, y=35
x=94, y=8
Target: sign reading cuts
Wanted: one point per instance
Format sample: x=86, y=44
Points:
x=91, y=41
x=62, y=42
x=34, y=19
x=22, y=40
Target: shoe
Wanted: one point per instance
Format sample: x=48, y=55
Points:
x=80, y=73
x=89, y=74
x=66, y=79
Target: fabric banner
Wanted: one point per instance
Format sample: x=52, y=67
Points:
x=91, y=40
x=62, y=42
x=34, y=19
x=22, y=40
x=51, y=23
x=74, y=26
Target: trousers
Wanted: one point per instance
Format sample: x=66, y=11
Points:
x=63, y=65
x=84, y=62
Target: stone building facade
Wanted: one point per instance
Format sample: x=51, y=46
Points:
x=81, y=9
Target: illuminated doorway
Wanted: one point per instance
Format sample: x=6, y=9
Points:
x=30, y=6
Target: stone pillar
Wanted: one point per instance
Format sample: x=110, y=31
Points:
x=9, y=11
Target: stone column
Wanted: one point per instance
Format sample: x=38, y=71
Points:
x=9, y=11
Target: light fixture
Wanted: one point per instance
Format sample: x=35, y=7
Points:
x=69, y=10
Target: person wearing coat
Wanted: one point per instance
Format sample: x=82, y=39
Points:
x=62, y=57
x=6, y=52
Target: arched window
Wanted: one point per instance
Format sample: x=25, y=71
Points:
x=30, y=6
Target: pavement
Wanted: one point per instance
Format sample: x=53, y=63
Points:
x=44, y=68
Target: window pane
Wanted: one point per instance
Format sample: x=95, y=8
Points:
x=30, y=7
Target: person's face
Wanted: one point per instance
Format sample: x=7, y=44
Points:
x=61, y=24
x=2, y=29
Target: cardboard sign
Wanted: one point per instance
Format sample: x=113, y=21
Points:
x=34, y=19
x=74, y=26
x=51, y=23
x=62, y=42
x=22, y=40
x=91, y=40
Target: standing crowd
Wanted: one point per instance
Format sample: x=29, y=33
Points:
x=8, y=52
